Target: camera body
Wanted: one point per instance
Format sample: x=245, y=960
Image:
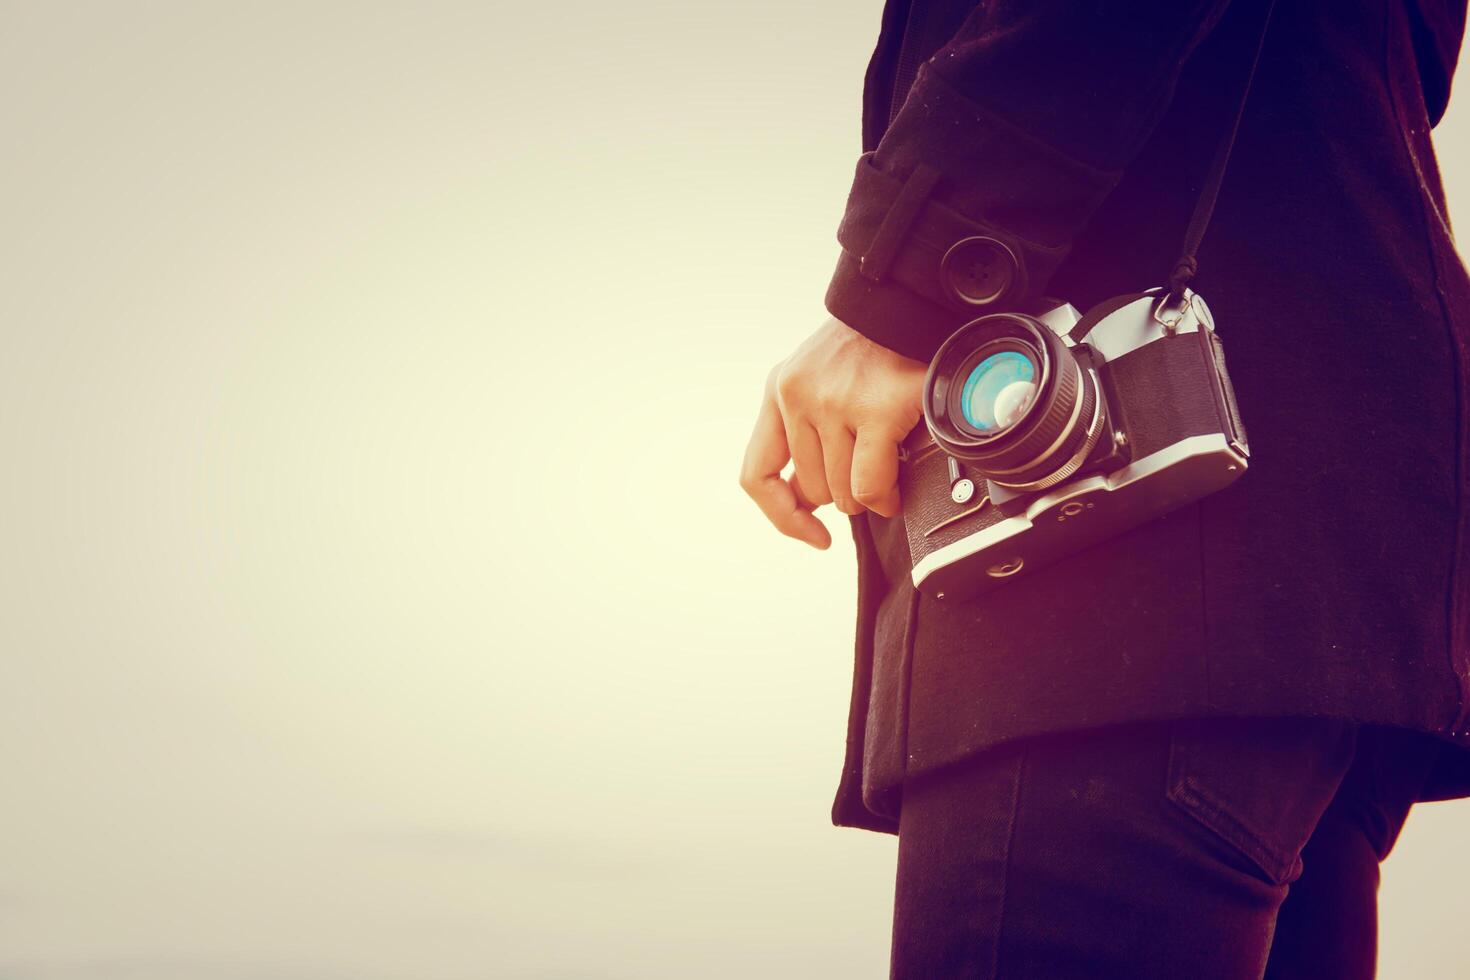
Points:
x=1046, y=434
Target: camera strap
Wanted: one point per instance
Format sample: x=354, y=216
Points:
x=1204, y=208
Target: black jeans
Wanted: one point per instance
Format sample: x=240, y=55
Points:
x=1155, y=850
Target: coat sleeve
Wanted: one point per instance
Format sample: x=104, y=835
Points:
x=1010, y=137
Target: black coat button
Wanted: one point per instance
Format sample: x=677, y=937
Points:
x=978, y=271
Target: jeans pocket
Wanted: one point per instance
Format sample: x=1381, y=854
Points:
x=1259, y=785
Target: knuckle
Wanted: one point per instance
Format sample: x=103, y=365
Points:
x=828, y=401
x=787, y=384
x=883, y=427
x=815, y=491
x=844, y=392
x=752, y=481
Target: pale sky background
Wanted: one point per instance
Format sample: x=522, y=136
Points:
x=376, y=596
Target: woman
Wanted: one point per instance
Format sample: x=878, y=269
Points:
x=1121, y=764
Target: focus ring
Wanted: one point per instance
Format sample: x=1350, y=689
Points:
x=1056, y=466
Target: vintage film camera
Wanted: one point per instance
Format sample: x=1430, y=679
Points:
x=1046, y=434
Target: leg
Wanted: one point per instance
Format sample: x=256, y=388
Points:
x=1328, y=926
x=1140, y=851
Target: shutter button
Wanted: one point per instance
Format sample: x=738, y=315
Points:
x=978, y=271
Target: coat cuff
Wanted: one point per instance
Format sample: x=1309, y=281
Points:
x=940, y=231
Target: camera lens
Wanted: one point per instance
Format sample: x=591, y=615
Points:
x=1008, y=396
x=998, y=391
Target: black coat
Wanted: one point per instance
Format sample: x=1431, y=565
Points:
x=1333, y=579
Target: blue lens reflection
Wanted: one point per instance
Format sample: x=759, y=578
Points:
x=998, y=391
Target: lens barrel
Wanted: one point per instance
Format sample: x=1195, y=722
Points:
x=1006, y=395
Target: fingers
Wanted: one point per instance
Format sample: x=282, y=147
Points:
x=809, y=474
x=836, y=410
x=760, y=476
x=875, y=470
x=837, y=463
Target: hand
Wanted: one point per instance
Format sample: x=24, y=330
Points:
x=837, y=408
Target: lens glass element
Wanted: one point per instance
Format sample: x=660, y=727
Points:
x=998, y=391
